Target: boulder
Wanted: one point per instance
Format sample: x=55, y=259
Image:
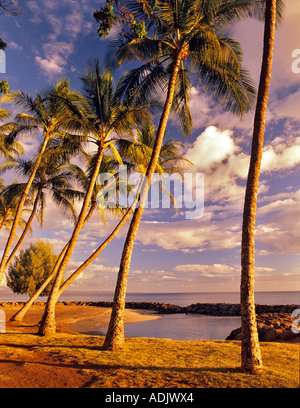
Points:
x=270, y=334
x=287, y=335
x=236, y=334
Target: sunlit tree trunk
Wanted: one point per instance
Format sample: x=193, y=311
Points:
x=115, y=335
x=251, y=355
x=48, y=323
x=19, y=316
x=98, y=250
x=26, y=229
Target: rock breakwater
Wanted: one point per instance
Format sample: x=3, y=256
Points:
x=271, y=327
x=212, y=309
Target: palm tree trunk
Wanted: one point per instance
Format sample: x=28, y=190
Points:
x=251, y=355
x=115, y=334
x=26, y=229
x=48, y=324
x=19, y=316
x=20, y=207
x=98, y=250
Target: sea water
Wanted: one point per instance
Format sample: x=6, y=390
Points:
x=176, y=326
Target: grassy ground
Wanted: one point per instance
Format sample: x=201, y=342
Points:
x=28, y=360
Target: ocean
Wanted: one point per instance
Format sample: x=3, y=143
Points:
x=177, y=326
x=186, y=299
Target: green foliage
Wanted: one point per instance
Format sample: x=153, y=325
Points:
x=9, y=200
x=106, y=19
x=139, y=29
x=31, y=268
x=3, y=44
x=192, y=32
x=4, y=88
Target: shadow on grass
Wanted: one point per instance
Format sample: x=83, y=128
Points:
x=113, y=367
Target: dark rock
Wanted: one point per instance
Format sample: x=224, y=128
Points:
x=287, y=335
x=236, y=334
x=270, y=335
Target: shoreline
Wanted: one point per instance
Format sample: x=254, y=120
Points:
x=211, y=309
x=73, y=319
x=92, y=318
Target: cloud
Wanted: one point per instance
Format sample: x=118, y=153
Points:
x=206, y=269
x=14, y=46
x=279, y=225
x=215, y=270
x=56, y=58
x=288, y=158
x=205, y=112
x=192, y=236
x=211, y=147
x=225, y=167
x=219, y=157
x=287, y=107
x=69, y=20
x=36, y=11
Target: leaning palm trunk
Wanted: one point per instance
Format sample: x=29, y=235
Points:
x=48, y=323
x=115, y=335
x=26, y=229
x=98, y=250
x=251, y=355
x=19, y=316
x=20, y=207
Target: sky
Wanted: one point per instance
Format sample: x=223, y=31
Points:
x=54, y=39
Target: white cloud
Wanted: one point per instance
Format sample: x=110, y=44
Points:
x=281, y=155
x=192, y=236
x=211, y=148
x=56, y=58
x=211, y=269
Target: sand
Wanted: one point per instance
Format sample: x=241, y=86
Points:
x=73, y=318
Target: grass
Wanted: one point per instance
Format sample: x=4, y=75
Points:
x=160, y=363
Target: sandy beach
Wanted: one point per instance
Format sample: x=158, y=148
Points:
x=73, y=319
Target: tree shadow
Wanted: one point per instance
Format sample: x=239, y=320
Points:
x=114, y=367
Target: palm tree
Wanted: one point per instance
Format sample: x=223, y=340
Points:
x=53, y=175
x=138, y=152
x=50, y=116
x=8, y=205
x=106, y=113
x=251, y=355
x=187, y=32
x=9, y=148
x=4, y=87
x=83, y=179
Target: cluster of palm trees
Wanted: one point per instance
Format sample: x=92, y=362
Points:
x=181, y=38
